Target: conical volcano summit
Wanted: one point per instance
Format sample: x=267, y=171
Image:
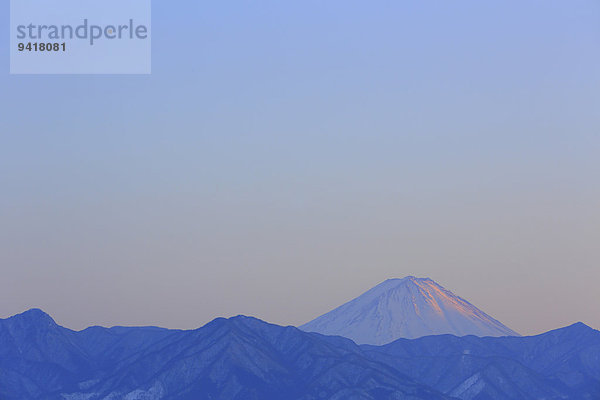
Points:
x=406, y=308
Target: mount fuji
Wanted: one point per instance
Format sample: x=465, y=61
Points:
x=406, y=308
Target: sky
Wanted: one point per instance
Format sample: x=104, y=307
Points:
x=284, y=157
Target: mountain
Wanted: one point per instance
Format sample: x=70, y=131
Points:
x=245, y=358
x=38, y=356
x=560, y=364
x=406, y=308
x=240, y=358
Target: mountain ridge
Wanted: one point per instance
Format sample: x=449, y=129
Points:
x=242, y=357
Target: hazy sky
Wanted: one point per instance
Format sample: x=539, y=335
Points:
x=284, y=157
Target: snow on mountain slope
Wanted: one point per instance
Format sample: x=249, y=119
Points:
x=406, y=308
x=243, y=358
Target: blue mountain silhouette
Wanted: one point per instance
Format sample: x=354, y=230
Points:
x=245, y=358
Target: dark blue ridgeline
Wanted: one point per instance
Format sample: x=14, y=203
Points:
x=244, y=358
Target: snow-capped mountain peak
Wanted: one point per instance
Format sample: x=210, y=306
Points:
x=406, y=308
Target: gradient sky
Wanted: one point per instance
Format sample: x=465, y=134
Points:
x=284, y=157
